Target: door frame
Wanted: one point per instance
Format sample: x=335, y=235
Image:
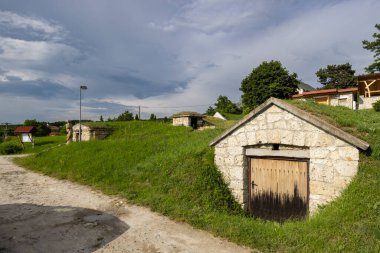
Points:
x=249, y=159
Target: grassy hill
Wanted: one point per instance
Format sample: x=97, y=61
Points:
x=171, y=170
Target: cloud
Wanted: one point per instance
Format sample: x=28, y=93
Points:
x=167, y=55
x=41, y=89
x=30, y=25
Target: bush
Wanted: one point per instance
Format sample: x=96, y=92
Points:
x=8, y=148
x=376, y=106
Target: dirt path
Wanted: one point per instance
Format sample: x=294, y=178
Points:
x=42, y=214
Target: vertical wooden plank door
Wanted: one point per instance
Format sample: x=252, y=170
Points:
x=279, y=188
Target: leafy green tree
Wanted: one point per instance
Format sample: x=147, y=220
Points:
x=374, y=46
x=269, y=79
x=152, y=117
x=101, y=118
x=210, y=111
x=136, y=117
x=125, y=116
x=337, y=76
x=223, y=104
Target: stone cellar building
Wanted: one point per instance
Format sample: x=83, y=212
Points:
x=281, y=162
x=189, y=119
x=90, y=132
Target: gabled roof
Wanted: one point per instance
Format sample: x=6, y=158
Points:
x=24, y=129
x=324, y=92
x=306, y=116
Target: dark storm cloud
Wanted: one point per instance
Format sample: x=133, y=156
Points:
x=37, y=89
x=141, y=88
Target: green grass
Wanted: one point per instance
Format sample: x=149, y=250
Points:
x=41, y=143
x=230, y=116
x=171, y=170
x=219, y=123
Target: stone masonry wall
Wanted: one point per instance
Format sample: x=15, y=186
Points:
x=343, y=99
x=366, y=102
x=182, y=121
x=332, y=164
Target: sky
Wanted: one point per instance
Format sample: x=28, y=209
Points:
x=164, y=55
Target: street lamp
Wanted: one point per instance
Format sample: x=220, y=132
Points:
x=82, y=87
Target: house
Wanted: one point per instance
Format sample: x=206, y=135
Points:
x=342, y=97
x=369, y=90
x=280, y=161
x=189, y=119
x=90, y=132
x=219, y=116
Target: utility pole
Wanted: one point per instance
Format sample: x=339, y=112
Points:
x=139, y=113
x=82, y=87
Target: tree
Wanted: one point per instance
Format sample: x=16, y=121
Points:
x=41, y=127
x=125, y=116
x=152, y=117
x=136, y=117
x=223, y=104
x=101, y=118
x=269, y=79
x=338, y=76
x=374, y=46
x=210, y=111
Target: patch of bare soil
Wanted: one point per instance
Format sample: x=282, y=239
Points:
x=42, y=214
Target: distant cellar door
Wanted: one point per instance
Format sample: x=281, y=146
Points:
x=278, y=188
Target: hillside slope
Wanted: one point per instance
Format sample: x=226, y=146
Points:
x=171, y=170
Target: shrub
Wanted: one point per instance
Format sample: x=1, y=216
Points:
x=376, y=106
x=8, y=148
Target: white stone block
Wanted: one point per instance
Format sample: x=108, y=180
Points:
x=288, y=116
x=346, y=168
x=280, y=125
x=286, y=137
x=349, y=153
x=319, y=153
x=261, y=136
x=325, y=140
x=299, y=138
x=232, y=142
x=251, y=138
x=273, y=136
x=273, y=108
x=273, y=117
x=321, y=172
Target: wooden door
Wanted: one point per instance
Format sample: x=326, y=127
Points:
x=279, y=188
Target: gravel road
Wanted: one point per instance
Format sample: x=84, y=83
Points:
x=42, y=214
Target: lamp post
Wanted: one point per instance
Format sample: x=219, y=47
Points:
x=82, y=87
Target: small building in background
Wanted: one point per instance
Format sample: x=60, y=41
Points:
x=219, y=116
x=189, y=119
x=25, y=134
x=342, y=97
x=91, y=132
